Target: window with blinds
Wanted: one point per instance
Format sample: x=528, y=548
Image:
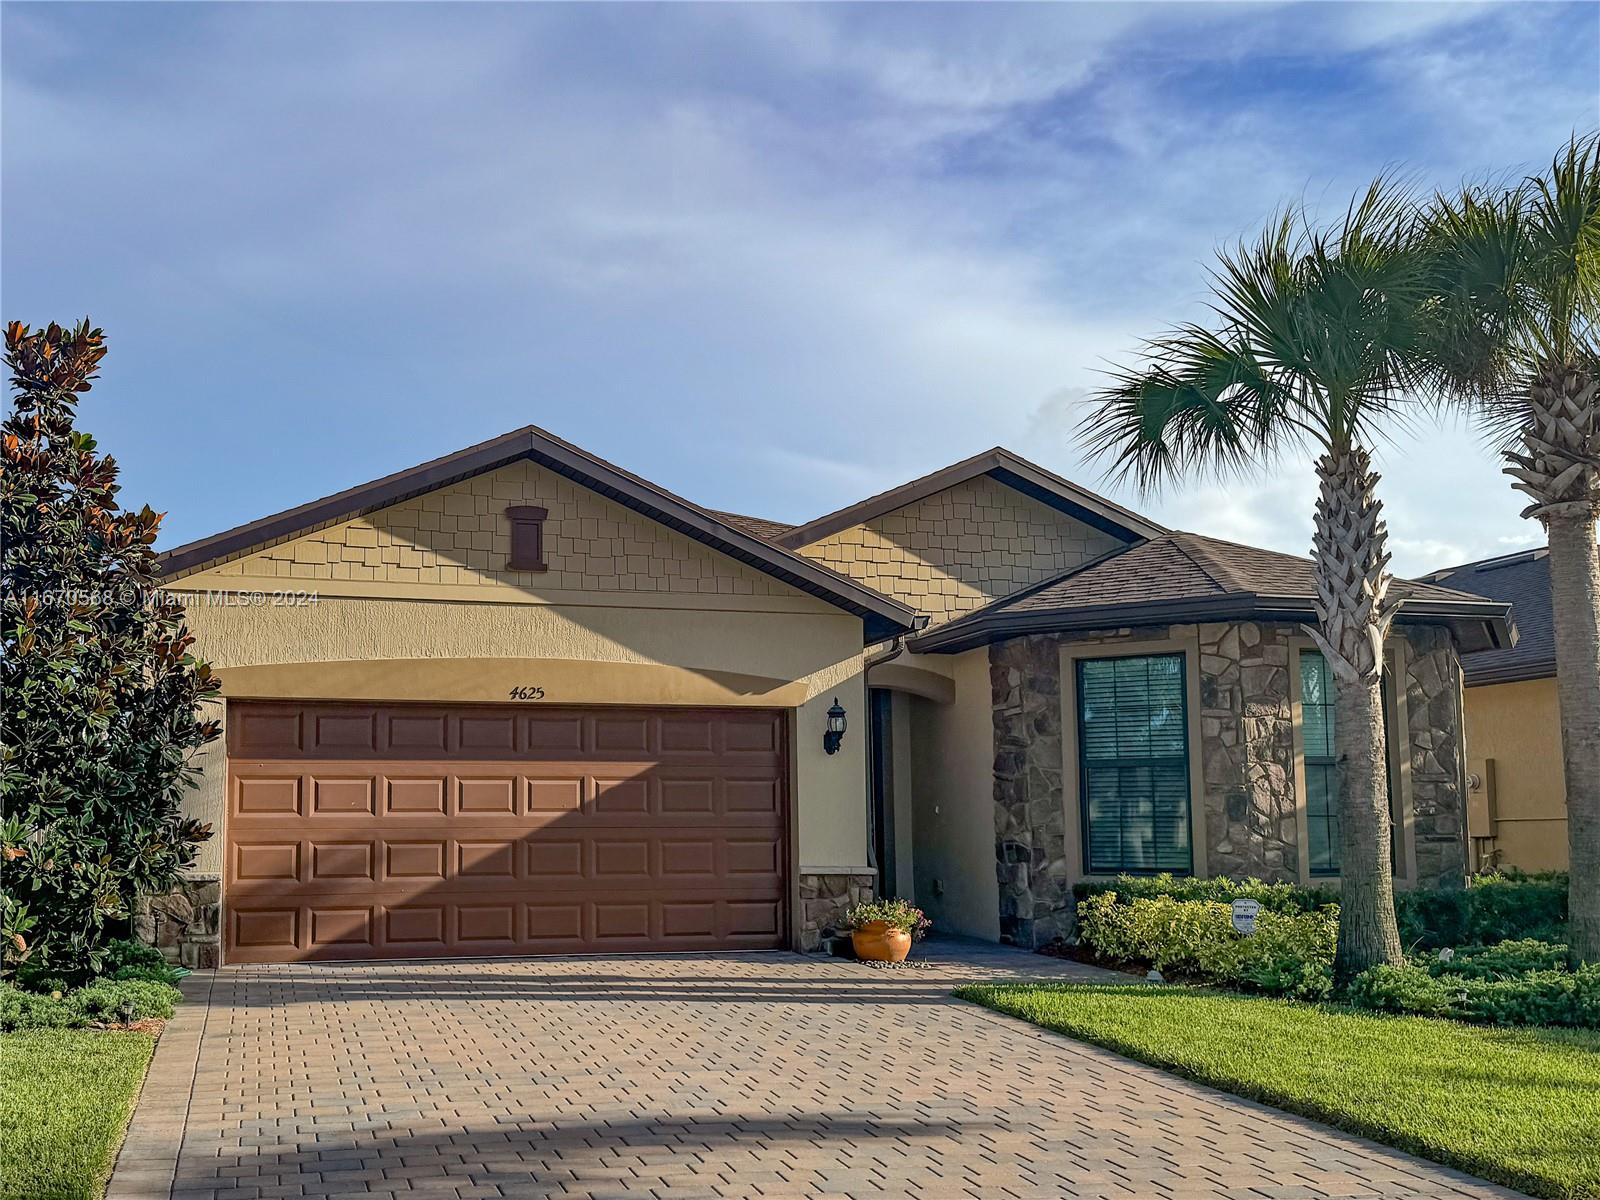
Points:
x=1133, y=764
x=1321, y=766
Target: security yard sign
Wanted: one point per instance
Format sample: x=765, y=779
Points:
x=1244, y=915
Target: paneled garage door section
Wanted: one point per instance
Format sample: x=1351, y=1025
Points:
x=406, y=831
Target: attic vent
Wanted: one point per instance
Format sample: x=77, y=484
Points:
x=527, y=537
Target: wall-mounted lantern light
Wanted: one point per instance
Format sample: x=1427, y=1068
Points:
x=836, y=726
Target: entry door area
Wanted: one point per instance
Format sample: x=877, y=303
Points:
x=360, y=831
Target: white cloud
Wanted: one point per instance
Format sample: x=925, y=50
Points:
x=800, y=253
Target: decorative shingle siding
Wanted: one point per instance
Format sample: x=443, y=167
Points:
x=959, y=549
x=460, y=536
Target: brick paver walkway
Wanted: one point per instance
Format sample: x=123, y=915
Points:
x=732, y=1077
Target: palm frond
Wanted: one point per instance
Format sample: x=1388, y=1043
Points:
x=1564, y=219
x=1203, y=406
x=1312, y=340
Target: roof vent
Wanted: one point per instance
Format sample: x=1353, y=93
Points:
x=527, y=537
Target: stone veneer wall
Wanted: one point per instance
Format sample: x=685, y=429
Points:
x=823, y=901
x=1434, y=712
x=1247, y=763
x=1029, y=820
x=1247, y=751
x=185, y=924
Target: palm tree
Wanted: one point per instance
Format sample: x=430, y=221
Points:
x=1518, y=343
x=1312, y=346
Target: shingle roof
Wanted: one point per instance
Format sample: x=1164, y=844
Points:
x=1523, y=579
x=1186, y=577
x=755, y=526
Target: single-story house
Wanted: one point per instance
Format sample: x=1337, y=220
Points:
x=1517, y=805
x=517, y=700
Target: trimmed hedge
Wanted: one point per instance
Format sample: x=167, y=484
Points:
x=1491, y=909
x=103, y=1002
x=1546, y=997
x=1519, y=982
x=1290, y=953
x=1274, y=897
x=1507, y=960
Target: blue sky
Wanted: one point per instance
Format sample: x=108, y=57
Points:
x=773, y=257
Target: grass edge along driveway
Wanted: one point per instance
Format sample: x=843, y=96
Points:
x=1518, y=1106
x=65, y=1099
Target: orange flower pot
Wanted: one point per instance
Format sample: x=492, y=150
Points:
x=878, y=941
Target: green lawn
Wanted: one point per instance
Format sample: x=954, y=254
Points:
x=65, y=1099
x=1518, y=1106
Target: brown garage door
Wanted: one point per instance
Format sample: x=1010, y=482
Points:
x=398, y=831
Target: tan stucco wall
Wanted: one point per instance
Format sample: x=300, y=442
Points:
x=958, y=549
x=1514, y=746
x=952, y=772
x=630, y=613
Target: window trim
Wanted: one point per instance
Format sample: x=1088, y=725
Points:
x=1398, y=736
x=1071, y=783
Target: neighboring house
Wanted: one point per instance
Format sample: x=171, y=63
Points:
x=517, y=700
x=1517, y=810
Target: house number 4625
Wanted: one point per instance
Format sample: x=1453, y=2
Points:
x=527, y=693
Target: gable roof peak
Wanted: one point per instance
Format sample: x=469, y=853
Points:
x=883, y=616
x=1009, y=468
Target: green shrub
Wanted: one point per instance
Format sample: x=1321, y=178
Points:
x=123, y=1001
x=125, y=952
x=1274, y=897
x=1491, y=909
x=33, y=1010
x=103, y=1002
x=1504, y=961
x=134, y=960
x=1290, y=953
x=1550, y=997
x=123, y=960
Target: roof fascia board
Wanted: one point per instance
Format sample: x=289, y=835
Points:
x=981, y=628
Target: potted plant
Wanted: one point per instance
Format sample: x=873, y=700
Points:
x=883, y=930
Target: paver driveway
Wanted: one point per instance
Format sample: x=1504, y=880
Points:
x=699, y=1076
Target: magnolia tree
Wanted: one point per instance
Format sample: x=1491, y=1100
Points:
x=102, y=694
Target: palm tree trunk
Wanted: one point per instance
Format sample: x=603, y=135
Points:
x=1575, y=597
x=1350, y=563
x=1559, y=467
